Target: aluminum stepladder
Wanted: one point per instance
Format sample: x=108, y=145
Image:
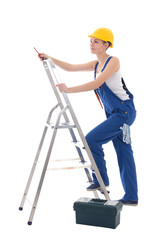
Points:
x=65, y=111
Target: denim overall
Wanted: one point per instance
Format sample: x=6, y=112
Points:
x=117, y=112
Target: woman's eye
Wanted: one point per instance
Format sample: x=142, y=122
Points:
x=93, y=41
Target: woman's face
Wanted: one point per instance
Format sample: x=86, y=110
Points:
x=97, y=46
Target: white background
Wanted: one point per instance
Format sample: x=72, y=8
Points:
x=60, y=28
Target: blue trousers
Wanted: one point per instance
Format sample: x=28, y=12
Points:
x=102, y=134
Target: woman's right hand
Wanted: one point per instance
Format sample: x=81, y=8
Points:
x=43, y=56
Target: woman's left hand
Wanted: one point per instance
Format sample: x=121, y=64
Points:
x=62, y=87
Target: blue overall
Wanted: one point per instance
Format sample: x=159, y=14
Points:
x=117, y=112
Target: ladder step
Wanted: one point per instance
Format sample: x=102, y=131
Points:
x=64, y=160
x=69, y=168
x=62, y=125
x=79, y=145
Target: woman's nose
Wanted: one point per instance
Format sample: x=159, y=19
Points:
x=91, y=44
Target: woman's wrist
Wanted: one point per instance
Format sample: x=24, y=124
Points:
x=68, y=90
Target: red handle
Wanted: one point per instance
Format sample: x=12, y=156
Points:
x=36, y=51
x=98, y=98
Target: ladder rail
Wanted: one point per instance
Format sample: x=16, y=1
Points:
x=51, y=112
x=45, y=166
x=36, y=158
x=33, y=169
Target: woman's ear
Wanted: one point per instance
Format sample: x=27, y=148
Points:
x=107, y=45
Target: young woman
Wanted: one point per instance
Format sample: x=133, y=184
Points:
x=119, y=109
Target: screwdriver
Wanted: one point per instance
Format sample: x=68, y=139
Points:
x=39, y=54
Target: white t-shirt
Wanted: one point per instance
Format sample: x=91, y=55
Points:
x=116, y=86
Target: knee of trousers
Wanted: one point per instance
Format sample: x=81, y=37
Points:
x=92, y=143
x=90, y=139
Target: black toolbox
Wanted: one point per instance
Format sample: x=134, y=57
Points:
x=98, y=212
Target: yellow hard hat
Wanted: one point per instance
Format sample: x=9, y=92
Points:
x=104, y=34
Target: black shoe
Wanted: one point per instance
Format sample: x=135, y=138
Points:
x=93, y=187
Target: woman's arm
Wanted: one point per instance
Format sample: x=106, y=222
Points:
x=70, y=67
x=111, y=68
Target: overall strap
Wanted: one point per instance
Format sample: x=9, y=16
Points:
x=107, y=61
x=95, y=70
x=95, y=90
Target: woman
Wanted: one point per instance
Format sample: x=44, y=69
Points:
x=119, y=109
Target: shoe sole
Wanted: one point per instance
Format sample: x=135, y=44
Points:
x=127, y=204
x=98, y=188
